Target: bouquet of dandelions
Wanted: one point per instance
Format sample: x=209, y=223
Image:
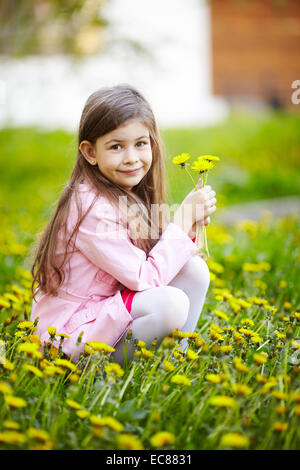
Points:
x=202, y=165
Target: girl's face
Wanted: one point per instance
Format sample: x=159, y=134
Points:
x=123, y=155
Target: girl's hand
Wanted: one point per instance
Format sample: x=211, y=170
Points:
x=196, y=207
x=192, y=232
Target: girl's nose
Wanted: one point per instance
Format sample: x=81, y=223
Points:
x=130, y=156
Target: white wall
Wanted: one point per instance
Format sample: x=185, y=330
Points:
x=177, y=80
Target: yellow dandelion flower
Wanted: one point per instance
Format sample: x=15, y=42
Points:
x=295, y=396
x=241, y=389
x=180, y=159
x=267, y=387
x=63, y=335
x=215, y=332
x=34, y=339
x=162, y=438
x=12, y=437
x=239, y=365
x=223, y=401
x=296, y=410
x=7, y=365
x=280, y=409
x=114, y=368
x=260, y=284
x=191, y=355
x=73, y=378
x=256, y=338
x=221, y=314
x=15, y=402
x=236, y=440
x=8, y=424
x=65, y=363
x=178, y=334
x=210, y=158
x=199, y=341
x=202, y=165
x=73, y=404
x=168, y=342
x=109, y=421
x=279, y=395
x=280, y=335
x=34, y=370
x=287, y=305
x=180, y=379
x=51, y=330
x=261, y=379
x=248, y=322
x=129, y=442
x=141, y=344
x=213, y=378
x=280, y=426
x=282, y=284
x=247, y=332
x=168, y=366
x=30, y=349
x=258, y=301
x=24, y=325
x=297, y=315
x=20, y=334
x=98, y=346
x=225, y=348
x=39, y=434
x=146, y=353
x=12, y=297
x=5, y=388
x=215, y=267
x=49, y=371
x=238, y=337
x=83, y=413
x=243, y=303
x=13, y=377
x=260, y=358
x=4, y=303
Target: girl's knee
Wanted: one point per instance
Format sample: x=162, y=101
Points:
x=196, y=270
x=175, y=306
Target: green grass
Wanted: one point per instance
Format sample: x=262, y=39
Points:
x=259, y=159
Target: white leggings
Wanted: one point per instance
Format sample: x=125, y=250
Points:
x=158, y=311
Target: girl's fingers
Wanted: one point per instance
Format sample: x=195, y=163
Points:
x=210, y=210
x=211, y=202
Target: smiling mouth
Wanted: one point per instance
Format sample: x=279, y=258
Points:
x=131, y=171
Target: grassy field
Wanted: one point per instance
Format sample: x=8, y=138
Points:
x=238, y=384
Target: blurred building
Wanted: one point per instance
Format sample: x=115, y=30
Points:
x=161, y=47
x=256, y=50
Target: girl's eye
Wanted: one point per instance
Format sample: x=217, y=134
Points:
x=113, y=147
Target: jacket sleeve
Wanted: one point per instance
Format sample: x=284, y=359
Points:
x=105, y=241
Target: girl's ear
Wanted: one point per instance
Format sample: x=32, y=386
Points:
x=87, y=150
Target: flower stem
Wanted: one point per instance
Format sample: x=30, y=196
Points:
x=195, y=186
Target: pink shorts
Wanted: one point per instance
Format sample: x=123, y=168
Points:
x=127, y=294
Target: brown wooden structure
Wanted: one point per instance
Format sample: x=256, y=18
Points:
x=256, y=49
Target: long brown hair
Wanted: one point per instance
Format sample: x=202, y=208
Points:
x=104, y=111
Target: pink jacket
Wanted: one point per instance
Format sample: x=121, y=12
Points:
x=105, y=261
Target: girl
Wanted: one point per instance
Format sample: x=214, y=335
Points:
x=119, y=278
